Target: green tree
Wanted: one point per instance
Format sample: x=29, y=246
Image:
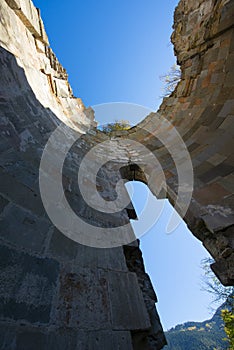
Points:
x=118, y=125
x=220, y=293
x=228, y=318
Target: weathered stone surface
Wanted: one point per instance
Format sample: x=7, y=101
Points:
x=203, y=41
x=28, y=338
x=111, y=259
x=27, y=286
x=109, y=340
x=83, y=300
x=33, y=230
x=61, y=247
x=124, y=315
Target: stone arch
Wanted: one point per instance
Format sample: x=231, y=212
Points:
x=201, y=108
x=133, y=172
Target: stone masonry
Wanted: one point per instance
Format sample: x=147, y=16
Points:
x=59, y=294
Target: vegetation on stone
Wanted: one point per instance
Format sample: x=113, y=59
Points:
x=170, y=80
x=212, y=285
x=118, y=125
x=220, y=293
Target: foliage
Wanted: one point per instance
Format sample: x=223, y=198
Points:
x=207, y=335
x=214, y=334
x=228, y=318
x=170, y=80
x=220, y=293
x=118, y=125
x=212, y=285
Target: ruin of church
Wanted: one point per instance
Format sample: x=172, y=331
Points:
x=58, y=291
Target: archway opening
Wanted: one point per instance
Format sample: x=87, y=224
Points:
x=173, y=262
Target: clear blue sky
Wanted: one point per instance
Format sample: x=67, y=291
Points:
x=115, y=51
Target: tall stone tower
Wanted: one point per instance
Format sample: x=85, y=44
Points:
x=66, y=291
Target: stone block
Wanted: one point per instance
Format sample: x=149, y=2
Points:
x=229, y=79
x=73, y=340
x=127, y=305
x=229, y=61
x=20, y=194
x=29, y=16
x=14, y=4
x=232, y=42
x=202, y=153
x=83, y=300
x=61, y=339
x=62, y=89
x=210, y=194
x=217, y=78
x=23, y=229
x=62, y=248
x=7, y=336
x=31, y=339
x=44, y=37
x=40, y=46
x=28, y=337
x=193, y=146
x=3, y=203
x=27, y=175
x=27, y=287
x=108, y=340
x=216, y=159
x=227, y=182
x=224, y=269
x=226, y=19
x=215, y=124
x=228, y=108
x=220, y=170
x=227, y=124
x=218, y=218
x=111, y=258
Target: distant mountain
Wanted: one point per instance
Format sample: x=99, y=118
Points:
x=207, y=335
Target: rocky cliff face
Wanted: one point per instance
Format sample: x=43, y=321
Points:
x=57, y=292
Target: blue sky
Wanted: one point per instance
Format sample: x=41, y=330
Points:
x=115, y=51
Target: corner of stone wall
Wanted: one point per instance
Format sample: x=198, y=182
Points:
x=202, y=109
x=154, y=337
x=41, y=65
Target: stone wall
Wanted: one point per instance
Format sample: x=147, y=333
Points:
x=22, y=26
x=201, y=108
x=56, y=293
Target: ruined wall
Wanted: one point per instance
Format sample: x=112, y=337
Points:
x=22, y=27
x=201, y=108
x=56, y=293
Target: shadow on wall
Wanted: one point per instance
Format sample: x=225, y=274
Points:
x=44, y=276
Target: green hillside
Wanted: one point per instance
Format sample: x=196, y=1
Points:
x=207, y=335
